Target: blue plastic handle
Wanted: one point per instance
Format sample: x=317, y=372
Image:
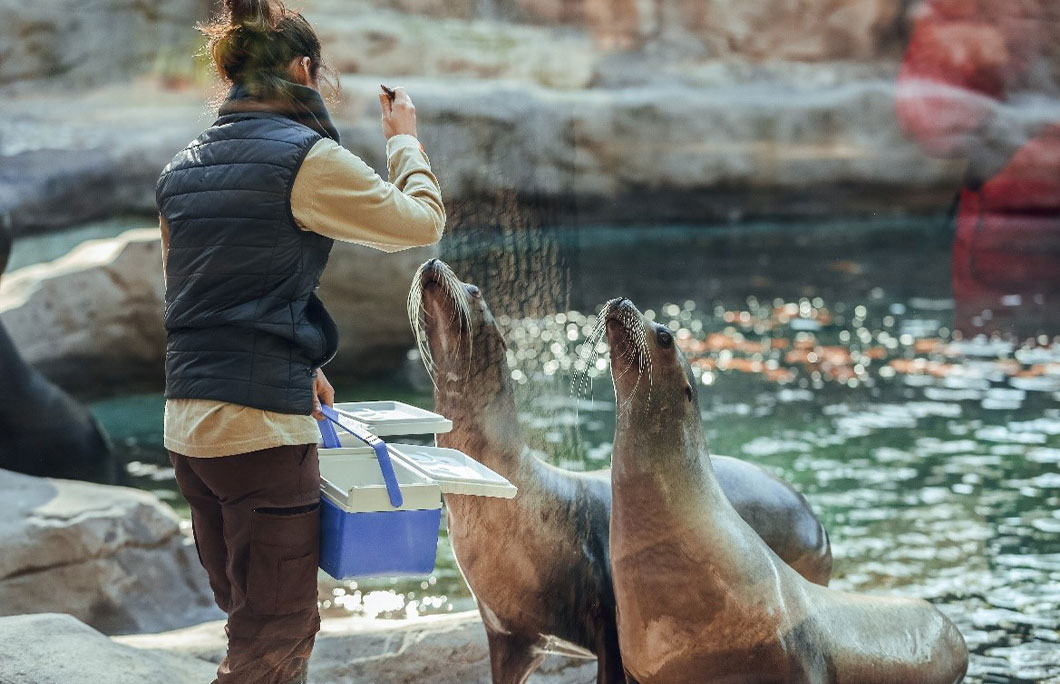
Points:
x=382, y=454
x=330, y=438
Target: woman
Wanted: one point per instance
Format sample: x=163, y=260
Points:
x=248, y=213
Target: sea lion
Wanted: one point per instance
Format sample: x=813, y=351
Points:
x=700, y=598
x=43, y=431
x=538, y=564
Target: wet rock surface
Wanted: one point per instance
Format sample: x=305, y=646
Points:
x=450, y=648
x=58, y=649
x=112, y=557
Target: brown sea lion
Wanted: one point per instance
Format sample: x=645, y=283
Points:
x=43, y=430
x=538, y=564
x=701, y=600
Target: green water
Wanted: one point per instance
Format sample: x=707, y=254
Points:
x=940, y=480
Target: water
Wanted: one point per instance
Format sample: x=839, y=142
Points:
x=933, y=459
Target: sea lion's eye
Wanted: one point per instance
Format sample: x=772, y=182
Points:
x=474, y=291
x=666, y=340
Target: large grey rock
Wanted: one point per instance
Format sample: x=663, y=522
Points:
x=75, y=156
x=57, y=649
x=365, y=290
x=110, y=556
x=666, y=152
x=450, y=648
x=94, y=316
x=90, y=42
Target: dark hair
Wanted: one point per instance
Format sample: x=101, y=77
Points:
x=253, y=42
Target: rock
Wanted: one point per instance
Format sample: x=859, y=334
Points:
x=381, y=41
x=112, y=557
x=90, y=43
x=809, y=31
x=102, y=305
x=801, y=30
x=725, y=151
x=57, y=649
x=68, y=159
x=449, y=648
x=365, y=290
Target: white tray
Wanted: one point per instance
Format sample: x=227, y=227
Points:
x=351, y=479
x=386, y=418
x=454, y=471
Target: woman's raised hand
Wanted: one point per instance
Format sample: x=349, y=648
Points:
x=399, y=114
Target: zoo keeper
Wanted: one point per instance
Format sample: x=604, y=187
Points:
x=249, y=212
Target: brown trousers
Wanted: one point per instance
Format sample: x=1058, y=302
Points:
x=256, y=519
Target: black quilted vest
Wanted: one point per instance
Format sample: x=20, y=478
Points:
x=242, y=319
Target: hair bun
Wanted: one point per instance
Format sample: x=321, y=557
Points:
x=256, y=15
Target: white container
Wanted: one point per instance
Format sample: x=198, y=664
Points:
x=352, y=480
x=386, y=418
x=363, y=535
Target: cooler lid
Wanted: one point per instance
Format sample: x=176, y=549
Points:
x=454, y=471
x=385, y=418
x=351, y=479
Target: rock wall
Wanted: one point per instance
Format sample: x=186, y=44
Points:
x=382, y=41
x=94, y=317
x=110, y=556
x=728, y=141
x=799, y=30
x=86, y=43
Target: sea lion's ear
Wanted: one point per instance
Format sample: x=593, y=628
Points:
x=689, y=394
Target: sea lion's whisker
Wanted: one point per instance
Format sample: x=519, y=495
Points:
x=417, y=319
x=461, y=315
x=588, y=353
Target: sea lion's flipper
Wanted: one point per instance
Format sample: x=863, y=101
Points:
x=513, y=657
x=630, y=680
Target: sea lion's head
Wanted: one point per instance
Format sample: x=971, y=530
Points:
x=458, y=338
x=655, y=389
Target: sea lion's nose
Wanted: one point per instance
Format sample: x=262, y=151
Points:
x=433, y=268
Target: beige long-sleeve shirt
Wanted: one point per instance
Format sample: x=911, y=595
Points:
x=335, y=194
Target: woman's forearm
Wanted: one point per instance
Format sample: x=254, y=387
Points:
x=336, y=194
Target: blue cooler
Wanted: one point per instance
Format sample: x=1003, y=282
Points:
x=381, y=505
